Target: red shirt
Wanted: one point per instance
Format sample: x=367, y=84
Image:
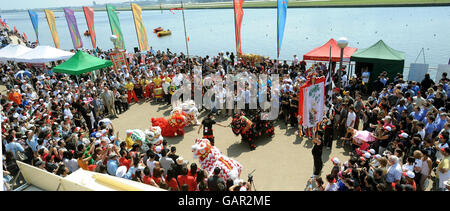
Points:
x=157, y=180
x=189, y=180
x=173, y=184
x=147, y=180
x=193, y=175
x=125, y=162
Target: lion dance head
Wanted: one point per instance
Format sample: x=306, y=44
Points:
x=210, y=157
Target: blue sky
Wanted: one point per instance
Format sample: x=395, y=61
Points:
x=30, y=4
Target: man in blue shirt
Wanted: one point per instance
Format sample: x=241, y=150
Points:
x=416, y=113
x=429, y=127
x=112, y=164
x=440, y=122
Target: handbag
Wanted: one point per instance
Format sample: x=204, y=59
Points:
x=20, y=156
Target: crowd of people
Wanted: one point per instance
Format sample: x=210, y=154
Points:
x=397, y=138
x=61, y=123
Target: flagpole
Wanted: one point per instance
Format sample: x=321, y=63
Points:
x=235, y=28
x=185, y=34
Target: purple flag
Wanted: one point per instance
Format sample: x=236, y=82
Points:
x=73, y=29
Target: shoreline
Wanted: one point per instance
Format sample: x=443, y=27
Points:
x=261, y=5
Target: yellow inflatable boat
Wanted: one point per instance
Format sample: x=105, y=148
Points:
x=163, y=33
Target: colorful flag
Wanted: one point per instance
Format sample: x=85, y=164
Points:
x=73, y=28
x=281, y=22
x=311, y=102
x=51, y=24
x=115, y=25
x=89, y=14
x=140, y=28
x=34, y=21
x=238, y=14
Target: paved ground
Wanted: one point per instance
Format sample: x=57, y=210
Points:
x=282, y=163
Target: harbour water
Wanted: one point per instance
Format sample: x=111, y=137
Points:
x=210, y=31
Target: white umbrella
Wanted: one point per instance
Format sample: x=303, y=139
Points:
x=12, y=51
x=44, y=54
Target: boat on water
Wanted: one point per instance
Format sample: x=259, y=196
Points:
x=163, y=33
x=156, y=30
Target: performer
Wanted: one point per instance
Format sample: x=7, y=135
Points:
x=208, y=131
x=317, y=154
x=130, y=91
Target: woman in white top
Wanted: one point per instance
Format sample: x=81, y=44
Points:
x=425, y=171
x=417, y=165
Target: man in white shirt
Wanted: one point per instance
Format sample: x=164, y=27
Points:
x=67, y=111
x=351, y=117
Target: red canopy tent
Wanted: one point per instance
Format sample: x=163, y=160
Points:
x=322, y=53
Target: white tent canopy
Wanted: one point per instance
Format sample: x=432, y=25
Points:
x=43, y=54
x=12, y=51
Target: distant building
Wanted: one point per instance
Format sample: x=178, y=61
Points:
x=94, y=3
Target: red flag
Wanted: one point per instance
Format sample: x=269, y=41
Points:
x=89, y=14
x=238, y=14
x=25, y=36
x=188, y=38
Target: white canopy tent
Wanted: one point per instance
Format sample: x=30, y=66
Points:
x=44, y=54
x=12, y=51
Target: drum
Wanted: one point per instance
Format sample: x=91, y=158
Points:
x=158, y=93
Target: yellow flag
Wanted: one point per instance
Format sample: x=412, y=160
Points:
x=51, y=24
x=140, y=28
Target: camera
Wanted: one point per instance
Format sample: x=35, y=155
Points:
x=250, y=178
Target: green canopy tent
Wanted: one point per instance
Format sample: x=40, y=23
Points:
x=81, y=63
x=378, y=58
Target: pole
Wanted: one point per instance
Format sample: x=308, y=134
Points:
x=340, y=68
x=160, y=7
x=185, y=35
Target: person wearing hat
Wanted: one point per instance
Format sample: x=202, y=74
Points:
x=409, y=177
x=112, y=166
x=443, y=168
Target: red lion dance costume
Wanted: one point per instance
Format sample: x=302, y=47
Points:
x=174, y=126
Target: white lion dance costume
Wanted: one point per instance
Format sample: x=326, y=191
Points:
x=190, y=110
x=152, y=135
x=210, y=158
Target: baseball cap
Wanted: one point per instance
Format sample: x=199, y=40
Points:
x=403, y=135
x=121, y=171
x=372, y=151
x=388, y=128
x=377, y=156
x=367, y=155
x=335, y=160
x=409, y=174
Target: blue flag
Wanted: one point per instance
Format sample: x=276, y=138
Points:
x=34, y=21
x=281, y=22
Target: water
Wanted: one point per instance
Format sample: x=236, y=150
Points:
x=212, y=31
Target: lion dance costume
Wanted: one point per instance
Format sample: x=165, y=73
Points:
x=174, y=126
x=251, y=130
x=210, y=157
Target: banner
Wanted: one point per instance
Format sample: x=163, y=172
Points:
x=51, y=24
x=118, y=59
x=34, y=21
x=281, y=22
x=73, y=28
x=115, y=25
x=311, y=102
x=238, y=15
x=89, y=14
x=140, y=28
x=417, y=72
